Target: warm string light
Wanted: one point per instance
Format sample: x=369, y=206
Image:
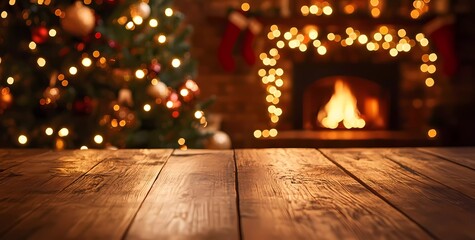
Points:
x=432, y=133
x=153, y=23
x=168, y=12
x=22, y=139
x=182, y=142
x=420, y=7
x=375, y=8
x=98, y=139
x=392, y=40
x=245, y=7
x=319, y=9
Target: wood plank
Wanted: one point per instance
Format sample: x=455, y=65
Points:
x=49, y=172
x=25, y=187
x=449, y=174
x=13, y=157
x=442, y=211
x=299, y=194
x=462, y=155
x=101, y=203
x=125, y=176
x=194, y=197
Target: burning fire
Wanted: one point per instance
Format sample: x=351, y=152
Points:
x=341, y=108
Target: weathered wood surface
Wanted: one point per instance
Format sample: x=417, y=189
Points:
x=10, y=157
x=397, y=193
x=452, y=175
x=463, y=156
x=299, y=194
x=442, y=211
x=26, y=186
x=97, y=197
x=193, y=198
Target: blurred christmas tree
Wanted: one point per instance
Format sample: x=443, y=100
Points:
x=97, y=73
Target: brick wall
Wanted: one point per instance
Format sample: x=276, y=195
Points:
x=240, y=96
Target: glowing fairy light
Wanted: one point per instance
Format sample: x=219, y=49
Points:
x=22, y=139
x=168, y=12
x=98, y=139
x=63, y=132
x=176, y=63
x=73, y=70
x=10, y=80
x=140, y=74
x=153, y=23
x=162, y=38
x=49, y=131
x=147, y=107
x=41, y=62
x=86, y=62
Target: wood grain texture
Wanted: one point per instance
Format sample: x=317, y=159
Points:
x=193, y=198
x=299, y=194
x=25, y=187
x=13, y=157
x=463, y=156
x=444, y=212
x=100, y=203
x=449, y=174
x=48, y=172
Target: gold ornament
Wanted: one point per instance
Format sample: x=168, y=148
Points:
x=219, y=140
x=140, y=10
x=79, y=20
x=125, y=96
x=159, y=90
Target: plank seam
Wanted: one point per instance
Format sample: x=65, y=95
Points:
x=238, y=202
x=82, y=175
x=126, y=232
x=444, y=158
x=378, y=195
x=428, y=177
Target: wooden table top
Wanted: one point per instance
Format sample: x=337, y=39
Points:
x=395, y=193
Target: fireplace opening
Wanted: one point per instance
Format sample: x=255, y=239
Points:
x=346, y=96
x=345, y=102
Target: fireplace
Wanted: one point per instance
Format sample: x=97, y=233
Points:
x=357, y=95
x=345, y=102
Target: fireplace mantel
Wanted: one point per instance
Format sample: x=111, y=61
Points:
x=347, y=138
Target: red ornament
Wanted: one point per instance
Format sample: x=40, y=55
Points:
x=173, y=102
x=112, y=2
x=155, y=66
x=192, y=86
x=64, y=51
x=39, y=34
x=5, y=99
x=113, y=44
x=189, y=90
x=83, y=106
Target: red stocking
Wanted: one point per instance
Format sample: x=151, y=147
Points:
x=441, y=33
x=237, y=21
x=248, y=49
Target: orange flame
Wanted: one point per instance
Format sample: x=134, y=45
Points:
x=341, y=109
